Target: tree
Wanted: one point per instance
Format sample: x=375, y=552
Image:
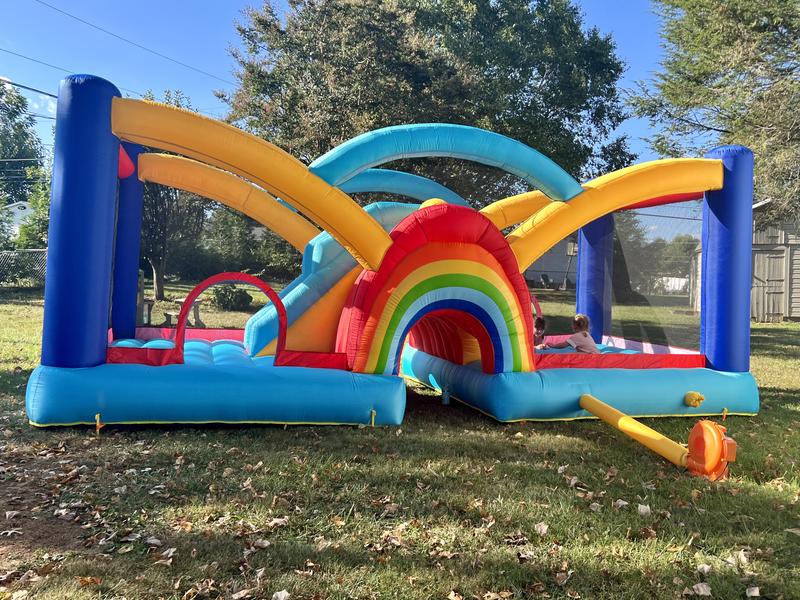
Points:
x=6, y=229
x=171, y=217
x=20, y=147
x=229, y=234
x=672, y=258
x=630, y=262
x=33, y=230
x=327, y=71
x=731, y=75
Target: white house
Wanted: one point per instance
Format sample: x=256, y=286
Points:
x=19, y=212
x=556, y=265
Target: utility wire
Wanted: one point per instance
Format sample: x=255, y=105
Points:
x=18, y=159
x=26, y=87
x=132, y=43
x=57, y=68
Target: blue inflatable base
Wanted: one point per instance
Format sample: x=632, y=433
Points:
x=214, y=387
x=553, y=394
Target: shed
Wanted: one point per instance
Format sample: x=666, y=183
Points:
x=775, y=294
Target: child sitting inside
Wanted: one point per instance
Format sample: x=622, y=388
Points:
x=580, y=340
x=538, y=331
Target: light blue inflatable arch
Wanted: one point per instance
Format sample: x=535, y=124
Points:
x=401, y=183
x=441, y=139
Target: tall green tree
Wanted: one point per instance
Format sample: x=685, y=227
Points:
x=33, y=230
x=731, y=75
x=171, y=218
x=329, y=70
x=20, y=147
x=6, y=229
x=230, y=235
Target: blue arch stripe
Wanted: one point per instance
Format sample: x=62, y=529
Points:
x=442, y=139
x=399, y=182
x=463, y=306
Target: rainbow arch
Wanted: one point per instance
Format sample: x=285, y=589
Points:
x=448, y=269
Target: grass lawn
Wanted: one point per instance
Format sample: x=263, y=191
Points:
x=451, y=505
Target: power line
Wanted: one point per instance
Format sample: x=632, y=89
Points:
x=132, y=43
x=38, y=116
x=641, y=214
x=26, y=87
x=18, y=159
x=57, y=68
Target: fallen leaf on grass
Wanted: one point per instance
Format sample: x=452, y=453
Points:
x=644, y=510
x=86, y=581
x=562, y=577
x=454, y=595
x=753, y=592
x=594, y=507
x=701, y=589
x=153, y=541
x=242, y=594
x=648, y=533
x=282, y=595
x=516, y=539
x=619, y=504
x=794, y=530
x=704, y=569
x=165, y=557
x=541, y=528
x=10, y=532
x=276, y=522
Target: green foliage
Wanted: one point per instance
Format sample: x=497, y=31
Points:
x=6, y=231
x=278, y=259
x=194, y=262
x=230, y=236
x=731, y=75
x=33, y=230
x=171, y=218
x=640, y=264
x=18, y=140
x=229, y=297
x=530, y=70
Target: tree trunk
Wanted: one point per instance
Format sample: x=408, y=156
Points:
x=158, y=278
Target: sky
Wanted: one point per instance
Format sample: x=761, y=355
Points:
x=200, y=33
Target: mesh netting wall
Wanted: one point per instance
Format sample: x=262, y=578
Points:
x=656, y=279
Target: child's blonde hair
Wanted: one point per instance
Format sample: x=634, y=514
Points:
x=580, y=323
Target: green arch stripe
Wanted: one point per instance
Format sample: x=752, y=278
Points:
x=443, y=281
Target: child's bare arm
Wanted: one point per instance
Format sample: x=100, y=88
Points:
x=557, y=345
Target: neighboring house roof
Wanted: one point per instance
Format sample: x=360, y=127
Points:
x=19, y=212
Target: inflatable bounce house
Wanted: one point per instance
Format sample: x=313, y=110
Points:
x=432, y=292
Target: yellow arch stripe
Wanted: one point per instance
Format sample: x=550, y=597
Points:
x=235, y=192
x=515, y=209
x=608, y=193
x=432, y=270
x=219, y=144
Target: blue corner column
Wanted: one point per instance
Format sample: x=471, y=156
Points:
x=594, y=274
x=727, y=245
x=126, y=250
x=81, y=233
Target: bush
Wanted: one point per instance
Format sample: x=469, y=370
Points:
x=229, y=297
x=194, y=263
